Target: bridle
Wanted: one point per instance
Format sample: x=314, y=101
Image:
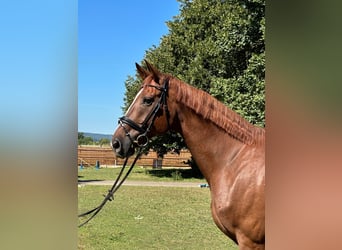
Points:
x=141, y=141
x=145, y=127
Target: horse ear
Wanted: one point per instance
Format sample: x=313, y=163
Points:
x=141, y=71
x=155, y=73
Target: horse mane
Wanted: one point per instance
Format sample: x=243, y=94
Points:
x=211, y=109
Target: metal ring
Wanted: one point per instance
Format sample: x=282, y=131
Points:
x=142, y=140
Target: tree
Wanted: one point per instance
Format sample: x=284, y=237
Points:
x=80, y=135
x=84, y=140
x=103, y=141
x=217, y=46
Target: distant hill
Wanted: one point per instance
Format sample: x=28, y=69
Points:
x=97, y=137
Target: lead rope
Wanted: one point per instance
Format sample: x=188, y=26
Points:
x=110, y=195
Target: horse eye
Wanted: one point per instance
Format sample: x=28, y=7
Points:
x=148, y=101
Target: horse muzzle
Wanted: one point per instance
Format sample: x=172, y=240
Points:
x=122, y=149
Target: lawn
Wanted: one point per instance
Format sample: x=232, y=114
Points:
x=150, y=218
x=139, y=174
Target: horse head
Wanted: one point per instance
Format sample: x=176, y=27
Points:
x=147, y=116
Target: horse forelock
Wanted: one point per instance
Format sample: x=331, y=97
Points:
x=211, y=109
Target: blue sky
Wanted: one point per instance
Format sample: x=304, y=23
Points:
x=112, y=36
x=38, y=70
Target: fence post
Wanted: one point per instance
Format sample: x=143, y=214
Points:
x=157, y=163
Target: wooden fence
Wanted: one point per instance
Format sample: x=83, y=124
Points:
x=88, y=155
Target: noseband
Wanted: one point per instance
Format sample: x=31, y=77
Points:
x=144, y=128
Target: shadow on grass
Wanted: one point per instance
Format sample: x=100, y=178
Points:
x=174, y=173
x=89, y=180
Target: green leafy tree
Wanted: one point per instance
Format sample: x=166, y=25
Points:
x=84, y=140
x=103, y=141
x=80, y=135
x=217, y=46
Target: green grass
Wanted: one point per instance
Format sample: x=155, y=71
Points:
x=138, y=174
x=150, y=218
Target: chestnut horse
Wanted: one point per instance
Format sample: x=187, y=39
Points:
x=229, y=151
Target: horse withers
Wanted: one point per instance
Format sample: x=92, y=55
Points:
x=229, y=151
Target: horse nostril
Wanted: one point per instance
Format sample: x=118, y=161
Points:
x=116, y=144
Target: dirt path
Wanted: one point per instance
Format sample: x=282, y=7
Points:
x=145, y=183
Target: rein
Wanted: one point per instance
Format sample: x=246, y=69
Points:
x=110, y=195
x=141, y=141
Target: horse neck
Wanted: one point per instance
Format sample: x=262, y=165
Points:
x=209, y=145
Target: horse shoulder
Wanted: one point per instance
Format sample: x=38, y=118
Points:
x=238, y=195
